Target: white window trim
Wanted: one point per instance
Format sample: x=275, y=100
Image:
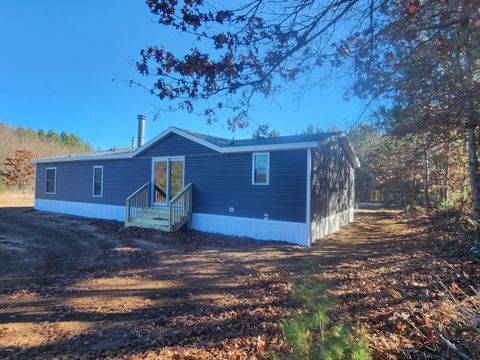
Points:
x=268, y=168
x=54, y=181
x=308, y=215
x=93, y=181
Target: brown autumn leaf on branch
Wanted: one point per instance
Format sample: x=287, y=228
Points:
x=19, y=169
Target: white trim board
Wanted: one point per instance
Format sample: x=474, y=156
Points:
x=99, y=211
x=347, y=147
x=223, y=149
x=174, y=130
x=259, y=229
x=308, y=205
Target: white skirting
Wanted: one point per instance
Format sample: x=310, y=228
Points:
x=260, y=229
x=330, y=224
x=100, y=211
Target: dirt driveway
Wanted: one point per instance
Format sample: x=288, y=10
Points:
x=79, y=288
x=72, y=287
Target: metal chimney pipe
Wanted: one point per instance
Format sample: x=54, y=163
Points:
x=141, y=130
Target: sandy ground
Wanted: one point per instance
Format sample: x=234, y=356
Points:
x=80, y=288
x=13, y=199
x=85, y=288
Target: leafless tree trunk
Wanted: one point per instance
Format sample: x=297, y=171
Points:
x=446, y=192
x=472, y=123
x=426, y=173
x=464, y=183
x=415, y=184
x=464, y=186
x=473, y=167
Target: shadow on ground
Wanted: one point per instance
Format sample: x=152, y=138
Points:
x=84, y=288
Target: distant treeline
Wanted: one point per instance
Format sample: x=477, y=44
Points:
x=41, y=143
x=68, y=140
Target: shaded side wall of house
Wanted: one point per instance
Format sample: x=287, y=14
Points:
x=220, y=181
x=332, y=195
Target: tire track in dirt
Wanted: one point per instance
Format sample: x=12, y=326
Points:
x=33, y=244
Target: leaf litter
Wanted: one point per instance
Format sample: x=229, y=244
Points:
x=192, y=295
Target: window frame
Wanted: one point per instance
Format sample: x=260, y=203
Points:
x=54, y=181
x=93, y=181
x=267, y=182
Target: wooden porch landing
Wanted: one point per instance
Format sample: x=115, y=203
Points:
x=153, y=218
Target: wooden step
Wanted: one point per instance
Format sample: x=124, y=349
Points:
x=180, y=206
x=152, y=216
x=155, y=210
x=155, y=218
x=149, y=223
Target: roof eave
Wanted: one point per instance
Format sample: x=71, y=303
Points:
x=173, y=130
x=272, y=147
x=225, y=149
x=81, y=158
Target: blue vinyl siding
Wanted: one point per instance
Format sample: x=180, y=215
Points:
x=333, y=181
x=176, y=145
x=223, y=181
x=75, y=180
x=219, y=180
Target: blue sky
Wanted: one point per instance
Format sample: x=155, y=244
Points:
x=59, y=59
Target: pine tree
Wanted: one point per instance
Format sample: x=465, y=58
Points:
x=308, y=332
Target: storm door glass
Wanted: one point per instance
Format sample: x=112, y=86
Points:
x=176, y=177
x=160, y=177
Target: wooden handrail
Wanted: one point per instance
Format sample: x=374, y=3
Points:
x=136, y=202
x=160, y=191
x=180, y=208
x=180, y=193
x=140, y=189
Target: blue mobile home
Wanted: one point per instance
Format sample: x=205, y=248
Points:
x=291, y=188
